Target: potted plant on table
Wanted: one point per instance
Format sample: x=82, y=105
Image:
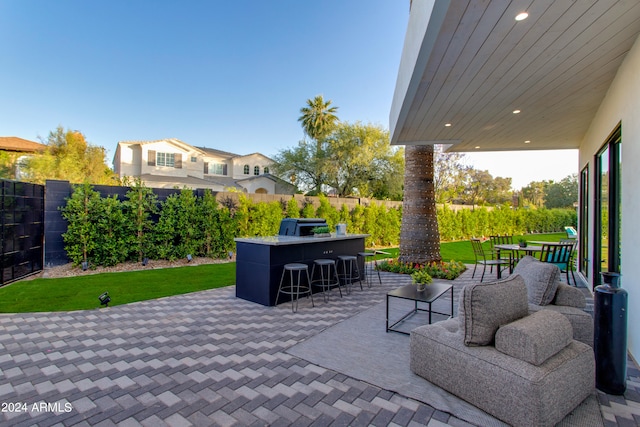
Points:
x=323, y=231
x=522, y=242
x=421, y=278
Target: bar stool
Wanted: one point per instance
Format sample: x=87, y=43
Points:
x=350, y=271
x=325, y=281
x=295, y=288
x=369, y=267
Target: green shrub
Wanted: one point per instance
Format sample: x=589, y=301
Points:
x=440, y=270
x=81, y=210
x=139, y=205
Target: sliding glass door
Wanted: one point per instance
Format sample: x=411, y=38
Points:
x=583, y=220
x=608, y=207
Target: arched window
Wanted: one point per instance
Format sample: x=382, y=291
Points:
x=266, y=169
x=246, y=169
x=256, y=170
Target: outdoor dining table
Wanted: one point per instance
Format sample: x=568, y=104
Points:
x=529, y=250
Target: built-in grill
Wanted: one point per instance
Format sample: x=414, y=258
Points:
x=300, y=226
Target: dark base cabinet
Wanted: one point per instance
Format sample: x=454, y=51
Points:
x=260, y=261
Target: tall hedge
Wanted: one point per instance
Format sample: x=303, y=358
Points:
x=105, y=231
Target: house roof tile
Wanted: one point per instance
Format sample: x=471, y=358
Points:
x=12, y=143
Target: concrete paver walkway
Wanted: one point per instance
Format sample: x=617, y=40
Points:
x=204, y=359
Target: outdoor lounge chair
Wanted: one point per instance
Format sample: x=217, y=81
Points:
x=571, y=232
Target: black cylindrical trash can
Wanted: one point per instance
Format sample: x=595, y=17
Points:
x=610, y=334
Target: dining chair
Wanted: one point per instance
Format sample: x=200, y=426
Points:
x=560, y=254
x=484, y=258
x=511, y=256
x=572, y=260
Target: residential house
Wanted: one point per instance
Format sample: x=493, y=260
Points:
x=13, y=151
x=477, y=77
x=170, y=163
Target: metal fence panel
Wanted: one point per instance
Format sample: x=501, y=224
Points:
x=22, y=229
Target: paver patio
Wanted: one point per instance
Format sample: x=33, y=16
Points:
x=203, y=359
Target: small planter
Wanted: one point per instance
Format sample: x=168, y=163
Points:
x=421, y=279
x=322, y=235
x=522, y=244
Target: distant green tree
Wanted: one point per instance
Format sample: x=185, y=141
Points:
x=303, y=166
x=500, y=191
x=318, y=120
x=477, y=187
x=70, y=157
x=449, y=177
x=355, y=159
x=360, y=160
x=533, y=194
x=562, y=194
x=8, y=163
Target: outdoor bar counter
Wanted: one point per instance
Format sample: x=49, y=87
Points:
x=260, y=260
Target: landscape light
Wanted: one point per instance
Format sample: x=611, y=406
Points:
x=105, y=299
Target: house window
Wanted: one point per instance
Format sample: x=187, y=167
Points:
x=256, y=170
x=194, y=159
x=246, y=169
x=165, y=159
x=266, y=169
x=217, y=168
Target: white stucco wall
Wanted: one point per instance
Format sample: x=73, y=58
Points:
x=165, y=147
x=622, y=105
x=252, y=185
x=252, y=160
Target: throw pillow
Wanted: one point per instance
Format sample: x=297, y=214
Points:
x=535, y=338
x=484, y=307
x=541, y=279
x=570, y=296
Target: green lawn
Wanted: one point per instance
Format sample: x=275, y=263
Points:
x=81, y=293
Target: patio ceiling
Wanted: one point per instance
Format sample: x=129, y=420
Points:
x=473, y=65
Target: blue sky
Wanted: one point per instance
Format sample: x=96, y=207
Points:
x=230, y=75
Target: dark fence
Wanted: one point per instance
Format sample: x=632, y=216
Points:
x=56, y=193
x=22, y=228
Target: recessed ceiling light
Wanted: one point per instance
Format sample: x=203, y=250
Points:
x=527, y=142
x=516, y=111
x=477, y=146
x=522, y=16
x=447, y=124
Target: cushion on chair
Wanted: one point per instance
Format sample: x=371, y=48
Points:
x=535, y=338
x=541, y=279
x=484, y=307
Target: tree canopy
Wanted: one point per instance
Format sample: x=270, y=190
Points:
x=318, y=118
x=354, y=159
x=70, y=157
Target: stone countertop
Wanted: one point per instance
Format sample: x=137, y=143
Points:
x=296, y=240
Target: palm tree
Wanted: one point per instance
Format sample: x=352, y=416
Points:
x=419, y=235
x=318, y=120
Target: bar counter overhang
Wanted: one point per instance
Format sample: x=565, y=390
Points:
x=260, y=260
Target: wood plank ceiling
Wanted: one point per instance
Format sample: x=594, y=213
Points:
x=555, y=67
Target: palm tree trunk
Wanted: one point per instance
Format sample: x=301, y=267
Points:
x=419, y=235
